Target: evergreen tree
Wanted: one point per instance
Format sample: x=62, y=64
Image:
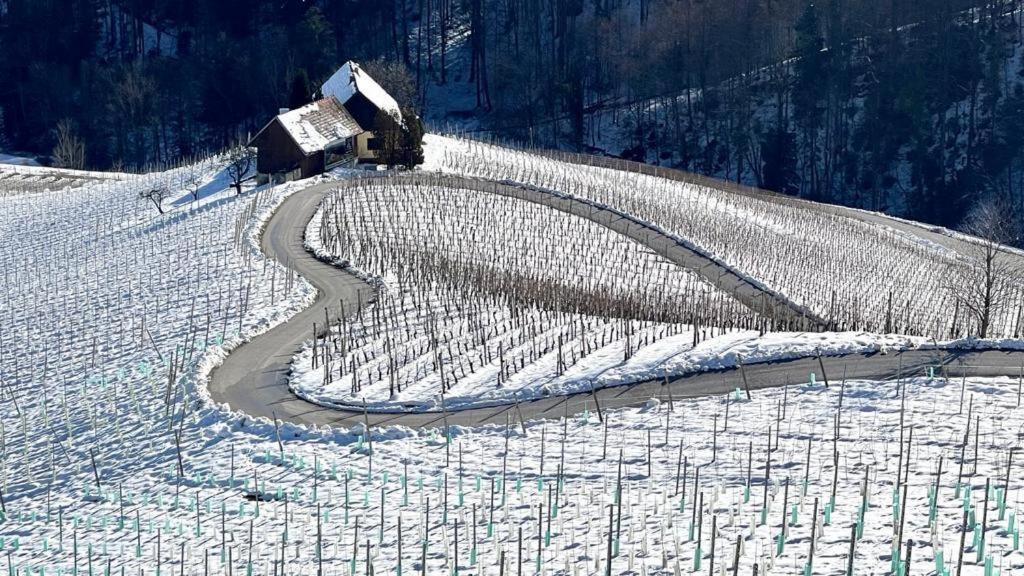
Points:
x=301, y=93
x=412, y=140
x=907, y=106
x=778, y=154
x=313, y=44
x=809, y=84
x=85, y=29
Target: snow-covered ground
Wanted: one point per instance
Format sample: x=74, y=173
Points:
x=112, y=460
x=32, y=178
x=15, y=160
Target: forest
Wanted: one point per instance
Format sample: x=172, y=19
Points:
x=913, y=108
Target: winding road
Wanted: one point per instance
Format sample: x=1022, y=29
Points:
x=254, y=377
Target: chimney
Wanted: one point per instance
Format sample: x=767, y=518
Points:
x=282, y=110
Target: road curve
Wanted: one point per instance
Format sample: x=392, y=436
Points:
x=253, y=378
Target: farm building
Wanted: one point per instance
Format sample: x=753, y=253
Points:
x=360, y=94
x=306, y=141
x=334, y=130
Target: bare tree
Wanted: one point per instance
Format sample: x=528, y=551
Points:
x=983, y=286
x=69, y=152
x=240, y=161
x=396, y=79
x=156, y=195
x=191, y=179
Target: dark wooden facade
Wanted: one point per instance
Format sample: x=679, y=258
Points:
x=279, y=154
x=362, y=110
x=309, y=140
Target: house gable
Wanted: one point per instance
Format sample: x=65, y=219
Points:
x=363, y=110
x=277, y=151
x=351, y=83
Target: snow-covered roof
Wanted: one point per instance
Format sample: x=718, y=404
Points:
x=349, y=79
x=319, y=125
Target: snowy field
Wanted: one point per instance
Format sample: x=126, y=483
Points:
x=17, y=179
x=114, y=461
x=858, y=276
x=16, y=160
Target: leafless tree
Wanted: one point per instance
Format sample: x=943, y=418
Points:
x=156, y=195
x=69, y=152
x=240, y=161
x=984, y=286
x=396, y=79
x=191, y=178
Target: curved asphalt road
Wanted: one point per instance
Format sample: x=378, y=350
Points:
x=253, y=378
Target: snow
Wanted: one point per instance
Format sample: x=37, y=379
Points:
x=101, y=296
x=350, y=79
x=29, y=179
x=308, y=137
x=31, y=170
x=17, y=160
x=153, y=40
x=942, y=230
x=440, y=256
x=859, y=275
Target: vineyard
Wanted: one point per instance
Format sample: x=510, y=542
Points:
x=114, y=459
x=855, y=275
x=489, y=296
x=17, y=180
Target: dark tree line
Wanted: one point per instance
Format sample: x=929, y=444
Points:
x=149, y=81
x=910, y=107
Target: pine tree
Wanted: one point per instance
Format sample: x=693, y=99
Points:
x=809, y=84
x=314, y=45
x=412, y=140
x=778, y=153
x=301, y=92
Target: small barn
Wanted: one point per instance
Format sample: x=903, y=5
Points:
x=306, y=141
x=332, y=131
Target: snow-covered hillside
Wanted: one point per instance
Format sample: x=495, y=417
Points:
x=17, y=179
x=113, y=460
x=856, y=275
x=486, y=298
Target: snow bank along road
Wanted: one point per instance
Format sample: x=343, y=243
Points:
x=254, y=378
